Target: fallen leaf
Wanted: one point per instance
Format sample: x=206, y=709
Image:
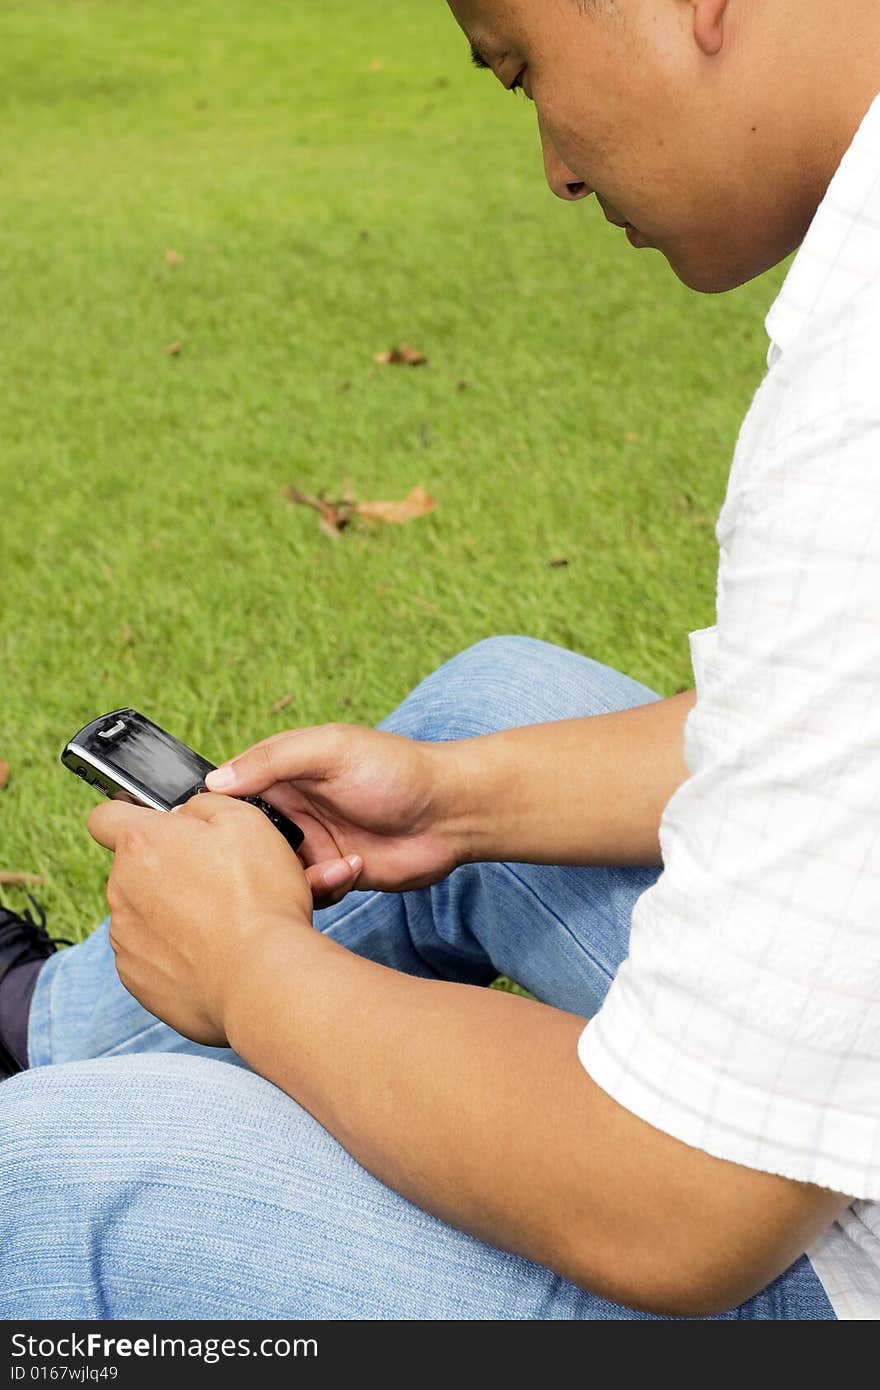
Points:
x=377, y=65
x=337, y=514
x=330, y=526
x=416, y=503
x=9, y=880
x=281, y=704
x=462, y=385
x=334, y=516
x=633, y=438
x=174, y=349
x=293, y=494
x=173, y=258
x=127, y=635
x=4, y=774
x=559, y=563
x=401, y=356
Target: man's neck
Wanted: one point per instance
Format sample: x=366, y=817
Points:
x=846, y=79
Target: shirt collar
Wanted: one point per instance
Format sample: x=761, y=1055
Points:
x=833, y=260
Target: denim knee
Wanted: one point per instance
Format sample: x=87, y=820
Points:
x=180, y=1125
x=508, y=681
x=131, y=1187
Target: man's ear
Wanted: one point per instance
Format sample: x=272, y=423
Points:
x=709, y=16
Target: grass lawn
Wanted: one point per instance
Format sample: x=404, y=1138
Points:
x=333, y=179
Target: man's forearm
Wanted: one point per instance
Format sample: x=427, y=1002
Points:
x=473, y=1104
x=579, y=791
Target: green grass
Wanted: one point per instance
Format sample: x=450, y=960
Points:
x=336, y=179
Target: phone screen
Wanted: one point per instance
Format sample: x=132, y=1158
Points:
x=145, y=753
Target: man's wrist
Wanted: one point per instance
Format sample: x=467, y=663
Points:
x=281, y=946
x=464, y=780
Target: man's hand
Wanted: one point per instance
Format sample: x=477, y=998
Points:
x=191, y=894
x=390, y=800
x=576, y=791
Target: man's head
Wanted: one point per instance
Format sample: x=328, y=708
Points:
x=711, y=127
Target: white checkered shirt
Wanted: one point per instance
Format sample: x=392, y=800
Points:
x=746, y=1021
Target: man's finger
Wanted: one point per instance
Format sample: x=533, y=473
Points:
x=334, y=877
x=301, y=754
x=109, y=819
x=209, y=806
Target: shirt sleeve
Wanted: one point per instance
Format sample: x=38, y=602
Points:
x=746, y=1020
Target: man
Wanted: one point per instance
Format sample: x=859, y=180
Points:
x=391, y=1141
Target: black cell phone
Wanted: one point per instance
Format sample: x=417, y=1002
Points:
x=127, y=757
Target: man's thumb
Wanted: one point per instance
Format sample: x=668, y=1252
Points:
x=334, y=874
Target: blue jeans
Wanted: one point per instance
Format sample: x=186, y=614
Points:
x=144, y=1176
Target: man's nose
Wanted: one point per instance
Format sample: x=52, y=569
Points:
x=562, y=181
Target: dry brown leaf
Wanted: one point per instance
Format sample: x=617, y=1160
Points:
x=401, y=356
x=416, y=503
x=4, y=773
x=334, y=516
x=173, y=258
x=559, y=563
x=302, y=499
x=329, y=526
x=281, y=704
x=174, y=349
x=126, y=634
x=10, y=880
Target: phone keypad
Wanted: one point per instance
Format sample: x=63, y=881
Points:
x=291, y=832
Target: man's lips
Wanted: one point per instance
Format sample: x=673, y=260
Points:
x=634, y=236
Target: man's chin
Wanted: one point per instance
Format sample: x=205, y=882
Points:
x=709, y=282
x=710, y=275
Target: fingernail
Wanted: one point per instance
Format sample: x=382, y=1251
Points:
x=355, y=861
x=218, y=779
x=337, y=874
